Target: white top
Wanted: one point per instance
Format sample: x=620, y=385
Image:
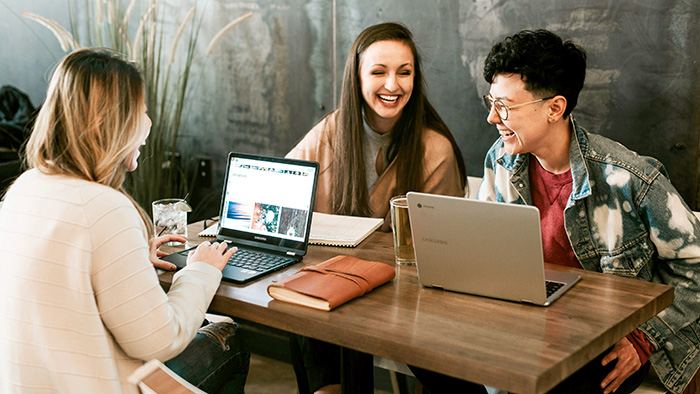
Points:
x=80, y=303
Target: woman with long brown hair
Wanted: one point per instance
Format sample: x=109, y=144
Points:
x=385, y=138
x=80, y=303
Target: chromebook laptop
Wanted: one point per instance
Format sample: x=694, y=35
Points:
x=484, y=248
x=265, y=211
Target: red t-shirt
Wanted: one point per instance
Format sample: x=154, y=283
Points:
x=550, y=192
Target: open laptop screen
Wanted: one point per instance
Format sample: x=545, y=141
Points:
x=268, y=200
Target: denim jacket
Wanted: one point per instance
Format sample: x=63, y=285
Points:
x=624, y=217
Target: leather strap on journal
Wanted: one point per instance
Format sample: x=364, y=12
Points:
x=362, y=283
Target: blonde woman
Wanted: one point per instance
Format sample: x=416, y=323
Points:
x=80, y=303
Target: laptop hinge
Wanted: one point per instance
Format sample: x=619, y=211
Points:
x=291, y=254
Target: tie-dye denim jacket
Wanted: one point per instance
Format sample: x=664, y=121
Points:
x=624, y=217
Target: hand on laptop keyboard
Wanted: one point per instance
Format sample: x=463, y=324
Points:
x=215, y=254
x=155, y=254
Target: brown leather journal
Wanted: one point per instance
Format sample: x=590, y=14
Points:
x=332, y=283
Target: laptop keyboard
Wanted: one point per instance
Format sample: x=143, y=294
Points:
x=552, y=287
x=252, y=260
x=256, y=261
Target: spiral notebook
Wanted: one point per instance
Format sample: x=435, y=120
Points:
x=329, y=230
x=209, y=231
x=340, y=230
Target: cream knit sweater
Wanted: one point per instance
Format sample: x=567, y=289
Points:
x=80, y=302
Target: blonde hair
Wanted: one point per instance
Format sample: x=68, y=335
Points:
x=91, y=120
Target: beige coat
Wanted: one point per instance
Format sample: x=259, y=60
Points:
x=80, y=303
x=440, y=173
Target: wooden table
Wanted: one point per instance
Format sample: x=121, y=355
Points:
x=515, y=347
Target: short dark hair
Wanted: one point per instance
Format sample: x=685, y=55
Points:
x=547, y=65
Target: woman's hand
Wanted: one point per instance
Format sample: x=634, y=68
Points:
x=213, y=254
x=155, y=254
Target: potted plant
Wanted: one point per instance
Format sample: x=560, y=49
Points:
x=166, y=59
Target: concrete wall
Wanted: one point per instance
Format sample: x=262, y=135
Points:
x=275, y=75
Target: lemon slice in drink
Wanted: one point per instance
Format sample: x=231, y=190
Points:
x=183, y=206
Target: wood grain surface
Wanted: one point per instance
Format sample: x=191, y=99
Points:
x=516, y=347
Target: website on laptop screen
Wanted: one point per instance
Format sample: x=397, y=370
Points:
x=268, y=198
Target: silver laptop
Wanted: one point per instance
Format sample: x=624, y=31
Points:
x=266, y=207
x=484, y=248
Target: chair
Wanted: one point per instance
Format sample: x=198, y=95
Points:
x=395, y=367
x=473, y=184
x=155, y=378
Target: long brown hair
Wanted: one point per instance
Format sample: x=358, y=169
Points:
x=349, y=193
x=91, y=120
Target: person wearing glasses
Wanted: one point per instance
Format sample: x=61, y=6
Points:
x=602, y=207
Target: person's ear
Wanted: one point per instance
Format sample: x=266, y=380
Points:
x=557, y=107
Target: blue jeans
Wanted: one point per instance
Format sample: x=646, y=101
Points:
x=216, y=361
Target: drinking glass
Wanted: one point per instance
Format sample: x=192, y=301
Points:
x=403, y=240
x=170, y=217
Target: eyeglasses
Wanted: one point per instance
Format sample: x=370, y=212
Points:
x=502, y=109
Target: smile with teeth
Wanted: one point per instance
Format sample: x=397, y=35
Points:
x=388, y=99
x=506, y=133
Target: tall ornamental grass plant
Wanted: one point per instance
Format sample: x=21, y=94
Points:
x=165, y=54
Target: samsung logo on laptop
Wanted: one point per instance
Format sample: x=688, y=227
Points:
x=435, y=241
x=259, y=238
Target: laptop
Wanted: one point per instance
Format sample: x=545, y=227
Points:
x=484, y=248
x=265, y=211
